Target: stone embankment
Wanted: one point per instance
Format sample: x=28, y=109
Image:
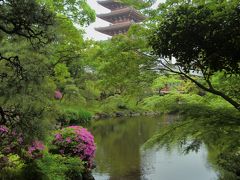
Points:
x=104, y=115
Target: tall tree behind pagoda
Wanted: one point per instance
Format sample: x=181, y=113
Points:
x=120, y=63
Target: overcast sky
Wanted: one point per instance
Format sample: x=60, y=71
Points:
x=90, y=32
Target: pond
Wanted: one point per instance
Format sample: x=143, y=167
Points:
x=120, y=155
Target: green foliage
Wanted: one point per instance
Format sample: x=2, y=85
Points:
x=169, y=102
x=28, y=98
x=198, y=31
x=92, y=90
x=14, y=168
x=201, y=36
x=120, y=63
x=188, y=86
x=57, y=167
x=73, y=96
x=61, y=73
x=29, y=68
x=228, y=84
x=119, y=103
x=113, y=103
x=113, y=75
x=74, y=116
x=26, y=18
x=40, y=51
x=163, y=81
x=77, y=10
x=179, y=102
x=11, y=173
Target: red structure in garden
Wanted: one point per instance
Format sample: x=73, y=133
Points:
x=121, y=17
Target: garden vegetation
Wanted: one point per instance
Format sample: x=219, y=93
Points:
x=53, y=82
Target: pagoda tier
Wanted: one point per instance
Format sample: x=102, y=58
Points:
x=121, y=15
x=121, y=18
x=115, y=29
x=112, y=5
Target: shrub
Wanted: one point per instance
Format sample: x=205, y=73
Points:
x=75, y=141
x=11, y=166
x=13, y=169
x=173, y=102
x=179, y=102
x=114, y=103
x=13, y=143
x=35, y=150
x=57, y=167
x=74, y=117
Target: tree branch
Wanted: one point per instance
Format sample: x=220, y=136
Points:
x=211, y=89
x=14, y=62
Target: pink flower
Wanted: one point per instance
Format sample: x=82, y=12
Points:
x=68, y=140
x=39, y=145
x=31, y=149
x=35, y=150
x=12, y=142
x=58, y=95
x=80, y=142
x=3, y=129
x=20, y=140
x=58, y=136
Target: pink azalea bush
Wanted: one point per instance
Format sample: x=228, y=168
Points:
x=76, y=141
x=58, y=95
x=12, y=142
x=35, y=150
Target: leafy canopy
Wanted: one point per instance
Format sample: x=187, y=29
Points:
x=27, y=73
x=202, y=36
x=199, y=34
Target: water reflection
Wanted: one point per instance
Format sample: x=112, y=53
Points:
x=119, y=155
x=163, y=165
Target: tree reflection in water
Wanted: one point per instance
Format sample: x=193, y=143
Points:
x=120, y=140
x=217, y=129
x=120, y=155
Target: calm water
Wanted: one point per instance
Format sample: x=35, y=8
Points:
x=120, y=156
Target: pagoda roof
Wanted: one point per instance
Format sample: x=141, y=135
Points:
x=120, y=12
x=115, y=27
x=109, y=4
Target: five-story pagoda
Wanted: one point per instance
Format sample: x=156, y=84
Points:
x=121, y=17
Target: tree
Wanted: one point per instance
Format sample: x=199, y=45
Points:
x=202, y=36
x=120, y=63
x=35, y=37
x=78, y=11
x=166, y=81
x=31, y=21
x=26, y=36
x=25, y=18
